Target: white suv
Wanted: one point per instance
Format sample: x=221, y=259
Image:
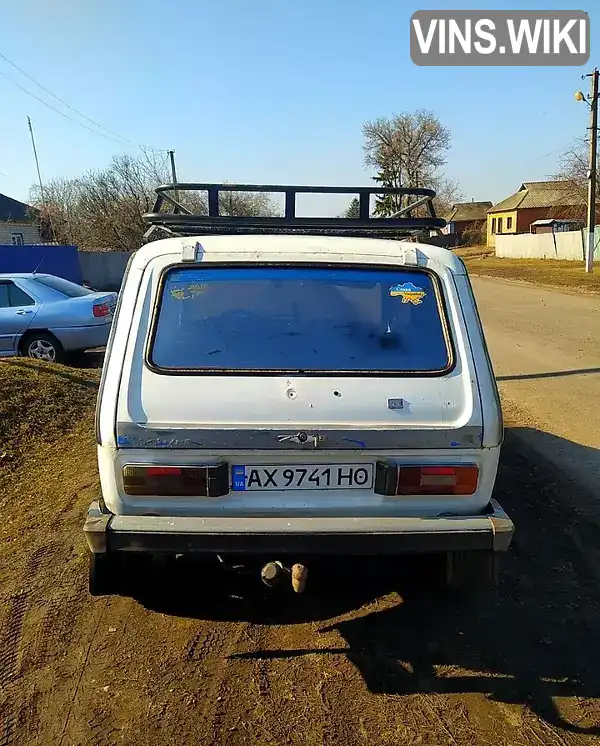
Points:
x=287, y=395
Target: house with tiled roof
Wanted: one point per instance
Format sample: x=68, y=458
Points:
x=466, y=219
x=18, y=223
x=534, y=201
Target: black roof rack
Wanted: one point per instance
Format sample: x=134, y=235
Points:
x=173, y=217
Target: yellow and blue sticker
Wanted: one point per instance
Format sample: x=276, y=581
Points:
x=192, y=290
x=408, y=292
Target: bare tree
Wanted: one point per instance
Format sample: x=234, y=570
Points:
x=447, y=193
x=246, y=204
x=406, y=150
x=573, y=167
x=103, y=209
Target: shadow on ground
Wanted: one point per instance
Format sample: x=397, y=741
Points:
x=532, y=640
x=88, y=359
x=549, y=374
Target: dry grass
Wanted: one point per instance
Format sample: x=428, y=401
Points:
x=39, y=403
x=481, y=260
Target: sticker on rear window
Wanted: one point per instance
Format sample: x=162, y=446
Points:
x=408, y=292
x=190, y=292
x=179, y=293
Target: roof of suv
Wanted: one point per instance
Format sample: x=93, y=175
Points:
x=228, y=248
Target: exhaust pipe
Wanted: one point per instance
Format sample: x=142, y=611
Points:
x=271, y=573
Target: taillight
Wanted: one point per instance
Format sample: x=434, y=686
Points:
x=101, y=309
x=176, y=481
x=393, y=479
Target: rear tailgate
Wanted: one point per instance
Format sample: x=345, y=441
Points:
x=299, y=373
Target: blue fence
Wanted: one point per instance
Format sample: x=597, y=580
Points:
x=62, y=261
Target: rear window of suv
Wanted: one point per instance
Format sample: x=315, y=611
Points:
x=247, y=319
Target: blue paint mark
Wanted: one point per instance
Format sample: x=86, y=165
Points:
x=123, y=440
x=454, y=444
x=359, y=443
x=238, y=474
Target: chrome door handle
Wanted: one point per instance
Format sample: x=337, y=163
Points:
x=23, y=313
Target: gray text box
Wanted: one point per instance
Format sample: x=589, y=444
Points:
x=494, y=37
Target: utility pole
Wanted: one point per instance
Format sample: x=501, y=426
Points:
x=174, y=175
x=173, y=172
x=37, y=163
x=591, y=217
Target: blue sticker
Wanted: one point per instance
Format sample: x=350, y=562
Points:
x=408, y=292
x=123, y=440
x=359, y=443
x=238, y=474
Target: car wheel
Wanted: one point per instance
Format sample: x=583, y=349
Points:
x=105, y=574
x=43, y=347
x=471, y=573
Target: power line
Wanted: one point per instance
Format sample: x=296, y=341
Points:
x=538, y=158
x=62, y=113
x=116, y=138
x=62, y=101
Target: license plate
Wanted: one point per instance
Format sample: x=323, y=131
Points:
x=305, y=477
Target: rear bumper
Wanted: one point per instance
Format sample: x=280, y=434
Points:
x=491, y=531
x=82, y=337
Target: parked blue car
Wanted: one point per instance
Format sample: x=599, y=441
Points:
x=46, y=317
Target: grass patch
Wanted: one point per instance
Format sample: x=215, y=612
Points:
x=481, y=260
x=39, y=403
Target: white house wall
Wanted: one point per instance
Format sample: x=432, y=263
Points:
x=562, y=245
x=30, y=232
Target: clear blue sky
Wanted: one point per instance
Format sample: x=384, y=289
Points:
x=269, y=91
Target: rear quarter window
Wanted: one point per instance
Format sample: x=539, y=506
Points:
x=65, y=287
x=300, y=319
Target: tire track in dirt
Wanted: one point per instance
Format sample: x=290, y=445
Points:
x=268, y=713
x=92, y=716
x=294, y=694
x=216, y=649
x=36, y=634
x=10, y=640
x=56, y=629
x=10, y=719
x=101, y=730
x=18, y=712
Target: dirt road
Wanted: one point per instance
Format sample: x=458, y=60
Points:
x=368, y=656
x=546, y=350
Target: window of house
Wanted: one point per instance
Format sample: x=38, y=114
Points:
x=17, y=239
x=508, y=224
x=499, y=225
x=493, y=225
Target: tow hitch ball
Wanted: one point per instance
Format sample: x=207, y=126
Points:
x=273, y=572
